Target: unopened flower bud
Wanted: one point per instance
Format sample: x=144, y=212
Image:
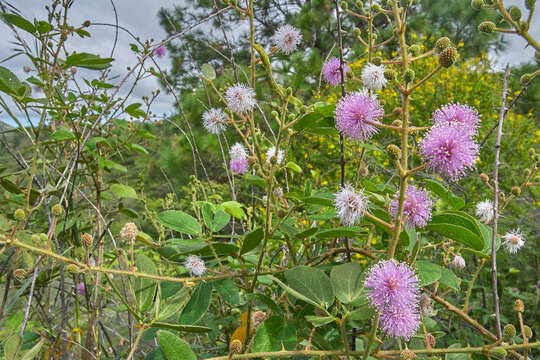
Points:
x=252, y=160
x=390, y=74
x=448, y=56
x=529, y=4
x=397, y=123
x=532, y=151
x=443, y=43
x=397, y=111
x=43, y=237
x=430, y=341
x=35, y=239
x=525, y=78
x=86, y=239
x=281, y=213
x=235, y=346
x=275, y=114
x=278, y=193
x=360, y=3
x=509, y=332
x=344, y=5
x=515, y=13
x=393, y=151
x=377, y=60
x=415, y=49
x=459, y=262
x=407, y=355
x=477, y=4
x=19, y=274
x=57, y=210
x=486, y=27
x=27, y=68
x=72, y=268
x=363, y=171
x=86, y=23
x=527, y=331
x=409, y=75
x=516, y=190
x=376, y=8
x=524, y=26
x=497, y=352
x=527, y=172
x=19, y=215
x=519, y=306
x=357, y=32
x=484, y=178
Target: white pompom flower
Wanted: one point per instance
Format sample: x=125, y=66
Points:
x=458, y=262
x=484, y=210
x=195, y=265
x=513, y=241
x=214, y=121
x=240, y=98
x=238, y=152
x=350, y=205
x=373, y=76
x=287, y=38
x=271, y=152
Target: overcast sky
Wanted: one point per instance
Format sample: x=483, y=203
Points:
x=140, y=17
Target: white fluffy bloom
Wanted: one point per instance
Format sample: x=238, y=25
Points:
x=350, y=205
x=458, y=262
x=373, y=76
x=513, y=241
x=287, y=38
x=238, y=152
x=271, y=152
x=214, y=121
x=240, y=98
x=195, y=265
x=129, y=231
x=484, y=210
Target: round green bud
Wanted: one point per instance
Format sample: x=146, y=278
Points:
x=443, y=43
x=537, y=157
x=57, y=210
x=19, y=214
x=498, y=352
x=275, y=114
x=376, y=8
x=72, y=268
x=509, y=332
x=344, y=5
x=357, y=32
x=19, y=274
x=486, y=27
x=527, y=172
x=532, y=152
x=484, y=178
x=525, y=78
x=374, y=37
x=516, y=190
x=519, y=306
x=377, y=60
x=393, y=151
x=408, y=76
x=415, y=49
x=397, y=123
x=448, y=56
x=527, y=332
x=405, y=3
x=349, y=74
x=360, y=3
x=477, y=4
x=35, y=239
x=43, y=237
x=397, y=111
x=515, y=13
x=86, y=23
x=524, y=26
x=390, y=74
x=529, y=4
x=289, y=91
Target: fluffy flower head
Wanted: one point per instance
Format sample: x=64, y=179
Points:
x=373, y=76
x=80, y=288
x=350, y=205
x=458, y=262
x=400, y=322
x=240, y=98
x=458, y=114
x=331, y=73
x=214, y=121
x=353, y=112
x=238, y=152
x=271, y=152
x=513, y=241
x=160, y=51
x=416, y=207
x=195, y=265
x=287, y=38
x=238, y=166
x=392, y=285
x=129, y=231
x=450, y=150
x=484, y=210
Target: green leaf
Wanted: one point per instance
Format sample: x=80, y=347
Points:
x=458, y=226
x=362, y=313
x=445, y=194
x=19, y=22
x=123, y=191
x=347, y=282
x=173, y=347
x=251, y=240
x=428, y=272
x=228, y=290
x=314, y=200
x=134, y=110
x=456, y=356
x=62, y=134
x=185, y=328
x=11, y=347
x=208, y=72
x=43, y=27
x=255, y=179
x=221, y=219
x=138, y=148
x=293, y=292
x=312, y=283
x=234, y=208
x=274, y=334
x=294, y=167
x=487, y=234
x=319, y=320
x=197, y=305
x=34, y=351
x=449, y=279
x=9, y=83
x=180, y=221
x=342, y=231
x=145, y=289
x=88, y=61
x=174, y=304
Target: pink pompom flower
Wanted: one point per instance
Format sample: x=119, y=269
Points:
x=355, y=114
x=160, y=51
x=457, y=114
x=331, y=72
x=416, y=207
